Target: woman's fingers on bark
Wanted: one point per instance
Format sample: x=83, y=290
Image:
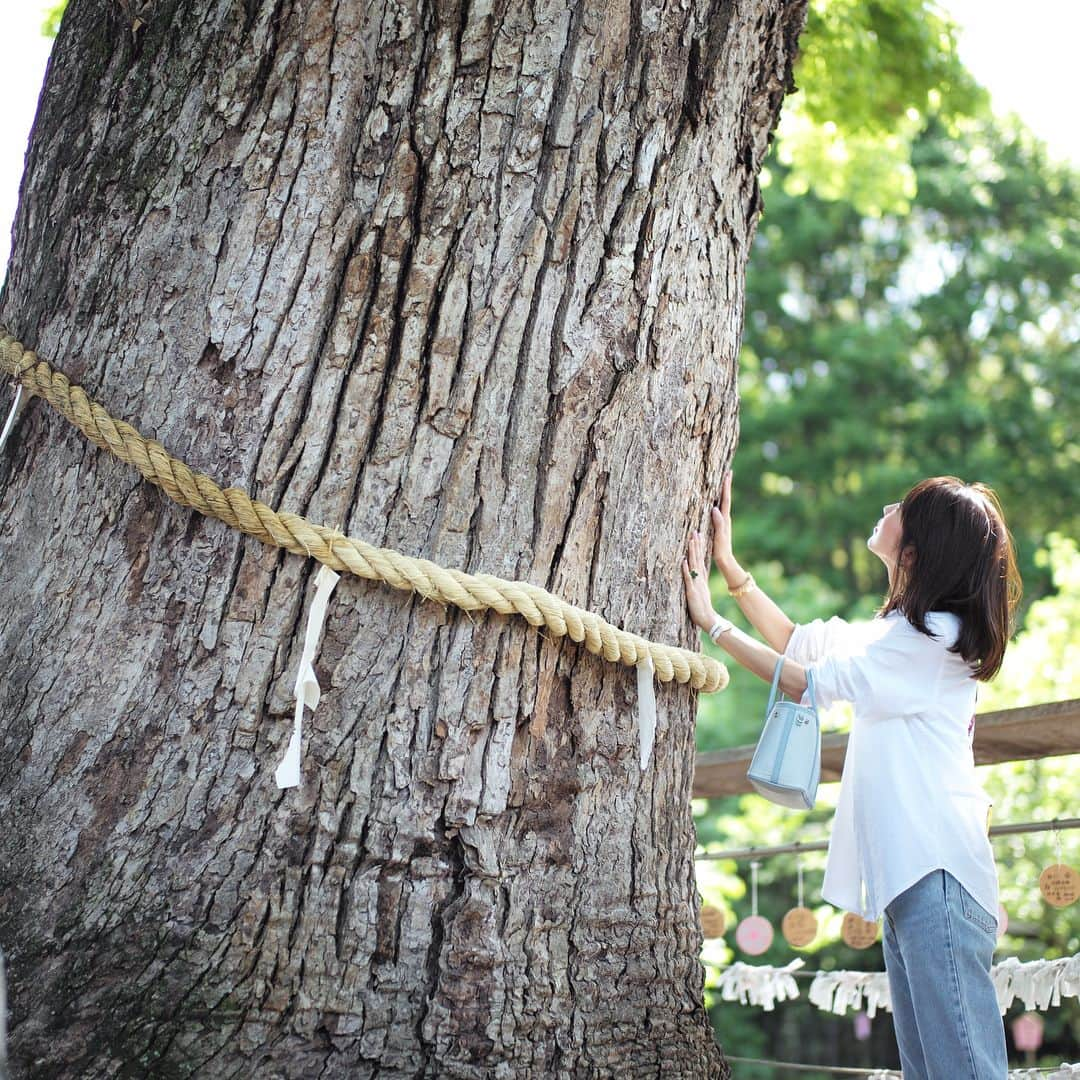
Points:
x=693, y=560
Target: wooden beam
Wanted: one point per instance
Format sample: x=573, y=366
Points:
x=1035, y=731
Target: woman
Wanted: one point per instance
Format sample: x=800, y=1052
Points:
x=909, y=839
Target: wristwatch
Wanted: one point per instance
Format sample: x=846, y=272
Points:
x=720, y=626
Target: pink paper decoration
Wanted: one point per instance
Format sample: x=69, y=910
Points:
x=754, y=934
x=862, y=1026
x=1027, y=1031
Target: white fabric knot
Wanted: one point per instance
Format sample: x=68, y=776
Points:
x=307, y=690
x=646, y=709
x=760, y=984
x=1040, y=984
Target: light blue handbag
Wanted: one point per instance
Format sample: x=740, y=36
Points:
x=786, y=766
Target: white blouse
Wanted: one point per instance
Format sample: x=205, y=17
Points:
x=910, y=801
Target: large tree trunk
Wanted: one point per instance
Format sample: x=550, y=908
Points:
x=465, y=281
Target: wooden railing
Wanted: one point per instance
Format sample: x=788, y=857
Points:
x=1035, y=731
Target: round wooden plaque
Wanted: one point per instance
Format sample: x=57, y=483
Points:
x=857, y=932
x=754, y=934
x=712, y=921
x=1059, y=884
x=799, y=927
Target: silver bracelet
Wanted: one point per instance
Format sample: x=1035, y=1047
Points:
x=721, y=626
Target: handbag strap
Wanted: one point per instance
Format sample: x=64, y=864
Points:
x=776, y=684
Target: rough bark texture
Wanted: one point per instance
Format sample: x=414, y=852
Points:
x=465, y=280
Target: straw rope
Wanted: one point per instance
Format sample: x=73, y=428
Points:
x=344, y=553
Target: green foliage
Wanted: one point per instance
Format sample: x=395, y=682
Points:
x=54, y=12
x=871, y=73
x=1040, y=664
x=878, y=351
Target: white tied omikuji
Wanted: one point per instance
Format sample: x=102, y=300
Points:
x=646, y=709
x=1064, y=1071
x=1040, y=984
x=307, y=691
x=760, y=984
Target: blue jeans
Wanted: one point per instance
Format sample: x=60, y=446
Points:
x=939, y=945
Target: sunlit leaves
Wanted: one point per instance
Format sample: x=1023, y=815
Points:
x=870, y=74
x=53, y=13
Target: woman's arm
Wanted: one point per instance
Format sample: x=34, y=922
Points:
x=764, y=614
x=761, y=660
x=755, y=657
x=767, y=619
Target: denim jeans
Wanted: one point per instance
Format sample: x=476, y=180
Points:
x=939, y=945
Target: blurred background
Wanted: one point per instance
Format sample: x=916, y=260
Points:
x=911, y=310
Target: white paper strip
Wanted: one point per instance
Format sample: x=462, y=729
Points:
x=760, y=984
x=11, y=417
x=307, y=690
x=838, y=991
x=1040, y=984
x=1064, y=1071
x=646, y=708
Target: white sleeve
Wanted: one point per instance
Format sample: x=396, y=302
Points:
x=813, y=641
x=894, y=674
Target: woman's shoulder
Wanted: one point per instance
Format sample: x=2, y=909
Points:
x=944, y=626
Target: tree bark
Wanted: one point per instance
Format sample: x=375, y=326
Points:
x=465, y=280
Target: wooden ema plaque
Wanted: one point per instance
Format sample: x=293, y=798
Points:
x=754, y=934
x=799, y=927
x=712, y=921
x=857, y=932
x=1059, y=884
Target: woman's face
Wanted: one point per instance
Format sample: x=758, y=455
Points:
x=884, y=541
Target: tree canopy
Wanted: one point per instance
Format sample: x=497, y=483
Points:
x=878, y=350
x=872, y=74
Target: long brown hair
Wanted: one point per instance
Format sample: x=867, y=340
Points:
x=963, y=560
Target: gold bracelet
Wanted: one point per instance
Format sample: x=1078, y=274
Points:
x=747, y=585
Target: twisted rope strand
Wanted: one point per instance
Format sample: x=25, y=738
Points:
x=233, y=506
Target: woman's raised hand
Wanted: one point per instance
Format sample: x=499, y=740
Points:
x=695, y=573
x=695, y=566
x=721, y=525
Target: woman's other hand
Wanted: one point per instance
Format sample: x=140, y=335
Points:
x=721, y=525
x=696, y=581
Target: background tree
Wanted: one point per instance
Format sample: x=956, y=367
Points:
x=437, y=276
x=881, y=347
x=879, y=350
